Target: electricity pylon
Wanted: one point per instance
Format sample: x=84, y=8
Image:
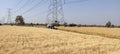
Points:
x=9, y=16
x=55, y=14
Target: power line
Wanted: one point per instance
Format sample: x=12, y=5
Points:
x=20, y=1
x=55, y=8
x=25, y=4
x=75, y=1
x=32, y=7
x=37, y=14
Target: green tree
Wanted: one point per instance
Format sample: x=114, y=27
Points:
x=108, y=24
x=65, y=24
x=19, y=20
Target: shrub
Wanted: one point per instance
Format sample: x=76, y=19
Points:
x=71, y=25
x=0, y=24
x=65, y=24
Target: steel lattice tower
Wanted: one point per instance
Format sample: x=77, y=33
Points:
x=56, y=14
x=9, y=16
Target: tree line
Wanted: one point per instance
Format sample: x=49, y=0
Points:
x=108, y=24
x=19, y=20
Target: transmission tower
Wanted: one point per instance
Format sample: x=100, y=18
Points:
x=9, y=16
x=55, y=14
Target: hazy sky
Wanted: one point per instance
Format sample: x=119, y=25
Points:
x=87, y=12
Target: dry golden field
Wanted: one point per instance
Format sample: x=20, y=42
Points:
x=107, y=32
x=32, y=40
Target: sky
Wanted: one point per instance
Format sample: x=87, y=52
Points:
x=86, y=12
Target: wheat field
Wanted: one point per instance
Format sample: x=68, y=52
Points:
x=32, y=40
x=103, y=31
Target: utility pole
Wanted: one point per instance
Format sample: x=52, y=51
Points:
x=56, y=14
x=9, y=16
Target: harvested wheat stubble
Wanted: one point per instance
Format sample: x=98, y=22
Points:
x=103, y=31
x=31, y=40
